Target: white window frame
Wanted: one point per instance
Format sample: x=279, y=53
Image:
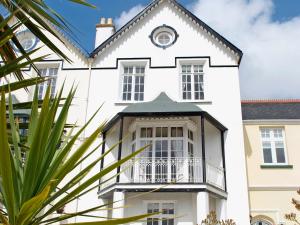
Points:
x=133, y=75
x=180, y=122
x=272, y=141
x=160, y=215
x=52, y=82
x=192, y=73
x=184, y=122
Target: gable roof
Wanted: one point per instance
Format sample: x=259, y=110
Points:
x=178, y=6
x=271, y=109
x=161, y=104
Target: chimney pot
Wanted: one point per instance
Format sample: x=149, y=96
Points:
x=102, y=20
x=110, y=21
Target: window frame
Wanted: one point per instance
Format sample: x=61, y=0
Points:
x=192, y=74
x=160, y=215
x=133, y=82
x=273, y=141
x=186, y=124
x=51, y=82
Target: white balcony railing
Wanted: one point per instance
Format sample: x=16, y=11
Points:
x=171, y=170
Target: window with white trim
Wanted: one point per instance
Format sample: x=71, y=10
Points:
x=273, y=145
x=165, y=152
x=133, y=81
x=192, y=82
x=42, y=87
x=166, y=217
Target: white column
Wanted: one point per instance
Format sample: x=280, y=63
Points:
x=202, y=204
x=221, y=209
x=118, y=205
x=103, y=211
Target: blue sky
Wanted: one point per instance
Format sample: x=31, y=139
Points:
x=267, y=31
x=84, y=19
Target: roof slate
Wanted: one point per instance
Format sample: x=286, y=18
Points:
x=271, y=110
x=161, y=104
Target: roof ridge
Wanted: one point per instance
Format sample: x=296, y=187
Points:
x=184, y=10
x=257, y=101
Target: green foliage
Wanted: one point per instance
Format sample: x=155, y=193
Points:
x=29, y=184
x=42, y=17
x=32, y=168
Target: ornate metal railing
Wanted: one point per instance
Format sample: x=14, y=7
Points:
x=171, y=170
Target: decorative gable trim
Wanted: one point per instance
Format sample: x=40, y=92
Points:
x=203, y=26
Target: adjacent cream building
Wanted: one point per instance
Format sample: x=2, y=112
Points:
x=272, y=147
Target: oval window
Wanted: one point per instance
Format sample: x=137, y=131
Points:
x=163, y=36
x=27, y=40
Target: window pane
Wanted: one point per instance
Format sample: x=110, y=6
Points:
x=149, y=132
x=127, y=84
x=176, y=132
x=42, y=87
x=277, y=133
x=190, y=150
x=143, y=133
x=265, y=132
x=267, y=152
x=158, y=131
x=177, y=148
x=153, y=207
x=280, y=152
x=168, y=208
x=164, y=132
x=198, y=68
x=186, y=86
x=190, y=135
x=173, y=131
x=148, y=151
x=139, y=88
x=198, y=86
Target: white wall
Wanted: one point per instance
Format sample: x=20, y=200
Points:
x=184, y=209
x=221, y=87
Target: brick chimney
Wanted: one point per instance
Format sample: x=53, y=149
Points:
x=104, y=30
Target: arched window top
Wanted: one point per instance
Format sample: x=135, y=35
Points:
x=262, y=220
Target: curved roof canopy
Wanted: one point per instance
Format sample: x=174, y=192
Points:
x=162, y=106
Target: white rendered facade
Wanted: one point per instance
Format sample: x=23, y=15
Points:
x=100, y=79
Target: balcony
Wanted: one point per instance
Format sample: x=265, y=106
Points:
x=186, y=148
x=180, y=170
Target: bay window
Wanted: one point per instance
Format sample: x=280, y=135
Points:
x=169, y=157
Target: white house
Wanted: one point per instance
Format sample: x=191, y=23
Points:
x=169, y=81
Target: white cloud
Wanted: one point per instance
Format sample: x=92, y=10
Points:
x=271, y=63
x=128, y=15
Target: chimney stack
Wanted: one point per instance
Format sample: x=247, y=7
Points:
x=104, y=30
